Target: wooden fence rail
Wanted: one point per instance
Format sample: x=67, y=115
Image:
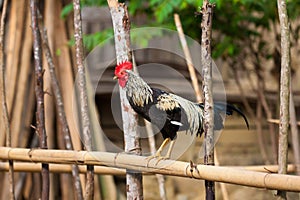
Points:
x=167, y=167
x=103, y=170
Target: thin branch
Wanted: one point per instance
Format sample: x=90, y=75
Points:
x=262, y=98
x=3, y=100
x=224, y=190
x=249, y=110
x=284, y=90
x=40, y=113
x=294, y=133
x=89, y=194
x=61, y=110
x=208, y=115
x=160, y=178
x=259, y=129
x=265, y=106
x=167, y=167
x=188, y=58
x=121, y=26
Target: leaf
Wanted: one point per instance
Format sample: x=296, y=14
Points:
x=66, y=10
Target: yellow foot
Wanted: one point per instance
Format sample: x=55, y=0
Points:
x=161, y=158
x=158, y=157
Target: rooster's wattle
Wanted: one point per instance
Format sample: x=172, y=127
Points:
x=169, y=112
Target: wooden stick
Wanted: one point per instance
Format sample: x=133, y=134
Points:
x=25, y=105
x=284, y=90
x=160, y=178
x=249, y=110
x=121, y=26
x=208, y=115
x=166, y=167
x=14, y=46
x=294, y=132
x=89, y=192
x=61, y=110
x=40, y=113
x=5, y=114
x=188, y=58
x=264, y=104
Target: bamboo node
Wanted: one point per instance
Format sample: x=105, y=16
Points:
x=8, y=153
x=30, y=152
x=265, y=177
x=82, y=158
x=115, y=158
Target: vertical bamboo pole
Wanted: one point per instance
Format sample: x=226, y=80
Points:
x=121, y=25
x=21, y=109
x=5, y=114
x=40, y=114
x=284, y=90
x=89, y=192
x=14, y=47
x=14, y=43
x=207, y=11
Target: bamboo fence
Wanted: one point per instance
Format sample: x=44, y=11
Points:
x=167, y=167
x=21, y=103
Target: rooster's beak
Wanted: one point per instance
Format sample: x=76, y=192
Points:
x=115, y=78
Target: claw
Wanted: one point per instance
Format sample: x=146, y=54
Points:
x=157, y=156
x=161, y=158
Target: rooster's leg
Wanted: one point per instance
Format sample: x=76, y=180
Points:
x=168, y=155
x=158, y=152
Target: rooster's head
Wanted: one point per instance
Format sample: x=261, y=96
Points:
x=121, y=74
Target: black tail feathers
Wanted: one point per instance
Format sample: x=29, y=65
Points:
x=220, y=107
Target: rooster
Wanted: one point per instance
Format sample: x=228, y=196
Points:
x=169, y=112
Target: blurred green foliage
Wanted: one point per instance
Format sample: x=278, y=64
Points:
x=234, y=21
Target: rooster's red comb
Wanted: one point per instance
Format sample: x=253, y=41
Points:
x=126, y=65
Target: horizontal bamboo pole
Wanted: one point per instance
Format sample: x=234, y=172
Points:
x=67, y=168
x=166, y=167
x=267, y=168
x=60, y=168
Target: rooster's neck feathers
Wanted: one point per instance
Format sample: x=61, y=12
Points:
x=137, y=89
